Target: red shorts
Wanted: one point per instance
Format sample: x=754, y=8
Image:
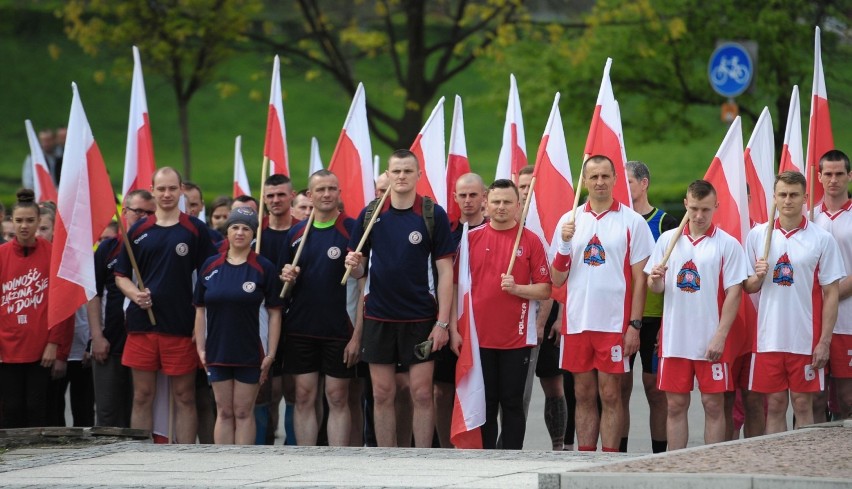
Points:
x=678, y=375
x=779, y=371
x=740, y=369
x=594, y=350
x=174, y=355
x=840, y=356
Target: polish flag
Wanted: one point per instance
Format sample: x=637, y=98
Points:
x=553, y=194
x=241, y=181
x=85, y=206
x=139, y=166
x=42, y=181
x=457, y=162
x=469, y=406
x=316, y=161
x=760, y=168
x=376, y=166
x=791, y=152
x=352, y=158
x=820, y=138
x=430, y=148
x=605, y=137
x=275, y=145
x=513, y=153
x=728, y=176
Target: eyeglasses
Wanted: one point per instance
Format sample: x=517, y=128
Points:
x=139, y=212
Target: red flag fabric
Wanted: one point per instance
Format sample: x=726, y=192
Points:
x=469, y=406
x=553, y=194
x=352, y=158
x=42, y=181
x=457, y=162
x=241, y=181
x=760, y=168
x=513, y=153
x=86, y=205
x=820, y=137
x=275, y=144
x=605, y=137
x=430, y=148
x=139, y=165
x=727, y=174
x=791, y=152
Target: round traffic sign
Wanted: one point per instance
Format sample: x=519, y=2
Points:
x=730, y=70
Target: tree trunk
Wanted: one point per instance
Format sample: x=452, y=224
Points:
x=183, y=121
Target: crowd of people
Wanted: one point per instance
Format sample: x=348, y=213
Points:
x=248, y=310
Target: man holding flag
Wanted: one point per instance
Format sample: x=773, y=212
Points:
x=168, y=246
x=503, y=304
x=600, y=249
x=798, y=304
x=835, y=216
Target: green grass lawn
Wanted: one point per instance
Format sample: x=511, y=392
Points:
x=37, y=85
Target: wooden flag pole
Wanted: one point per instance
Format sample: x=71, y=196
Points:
x=770, y=226
x=260, y=206
x=123, y=229
x=578, y=190
x=299, y=249
x=673, y=242
x=521, y=225
x=369, y=228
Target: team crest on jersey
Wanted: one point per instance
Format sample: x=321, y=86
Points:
x=594, y=254
x=783, y=272
x=182, y=249
x=542, y=270
x=688, y=279
x=520, y=251
x=249, y=287
x=415, y=237
x=334, y=252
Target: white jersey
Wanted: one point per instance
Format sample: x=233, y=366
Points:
x=839, y=225
x=600, y=283
x=699, y=272
x=801, y=260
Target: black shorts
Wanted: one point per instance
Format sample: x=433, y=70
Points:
x=305, y=355
x=277, y=369
x=548, y=353
x=388, y=342
x=648, y=344
x=445, y=366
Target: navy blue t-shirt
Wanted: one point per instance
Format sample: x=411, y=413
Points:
x=273, y=242
x=112, y=300
x=232, y=296
x=167, y=258
x=318, y=307
x=401, y=278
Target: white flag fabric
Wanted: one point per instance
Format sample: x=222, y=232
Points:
x=241, y=181
x=43, y=185
x=316, y=161
x=513, y=152
x=352, y=160
x=791, y=152
x=139, y=164
x=275, y=144
x=760, y=167
x=430, y=148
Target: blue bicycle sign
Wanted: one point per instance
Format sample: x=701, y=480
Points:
x=730, y=69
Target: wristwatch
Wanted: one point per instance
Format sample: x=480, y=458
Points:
x=441, y=324
x=636, y=323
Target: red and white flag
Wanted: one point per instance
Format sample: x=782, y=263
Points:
x=457, y=162
x=469, y=407
x=316, y=161
x=376, y=166
x=727, y=174
x=352, y=160
x=760, y=168
x=43, y=185
x=139, y=165
x=553, y=194
x=820, y=137
x=430, y=148
x=86, y=205
x=241, y=181
x=606, y=138
x=791, y=152
x=513, y=153
x=275, y=145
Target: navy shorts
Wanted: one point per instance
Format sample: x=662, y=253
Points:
x=245, y=375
